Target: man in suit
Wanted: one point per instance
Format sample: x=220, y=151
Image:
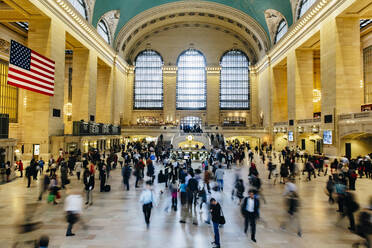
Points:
x=250, y=211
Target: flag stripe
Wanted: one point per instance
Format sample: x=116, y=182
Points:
x=30, y=81
x=42, y=63
x=30, y=70
x=40, y=73
x=28, y=86
x=37, y=65
x=31, y=74
x=43, y=57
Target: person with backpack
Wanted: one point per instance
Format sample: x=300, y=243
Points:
x=292, y=210
x=250, y=212
x=217, y=219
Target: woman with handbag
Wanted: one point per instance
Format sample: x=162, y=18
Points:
x=217, y=219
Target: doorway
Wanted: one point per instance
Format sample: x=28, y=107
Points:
x=348, y=150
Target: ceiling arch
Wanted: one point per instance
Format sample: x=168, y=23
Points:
x=195, y=12
x=179, y=37
x=253, y=8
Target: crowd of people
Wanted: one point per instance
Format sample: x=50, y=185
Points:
x=187, y=128
x=197, y=188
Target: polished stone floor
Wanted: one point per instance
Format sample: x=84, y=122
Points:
x=115, y=219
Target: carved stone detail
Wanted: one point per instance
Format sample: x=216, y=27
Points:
x=273, y=18
x=4, y=46
x=111, y=19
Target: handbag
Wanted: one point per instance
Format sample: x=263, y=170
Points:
x=222, y=218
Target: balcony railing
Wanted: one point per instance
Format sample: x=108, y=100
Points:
x=309, y=121
x=360, y=115
x=283, y=123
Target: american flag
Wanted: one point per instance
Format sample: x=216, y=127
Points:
x=30, y=70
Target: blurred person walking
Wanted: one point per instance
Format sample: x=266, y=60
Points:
x=44, y=186
x=292, y=202
x=73, y=208
x=330, y=189
x=350, y=207
x=250, y=211
x=147, y=199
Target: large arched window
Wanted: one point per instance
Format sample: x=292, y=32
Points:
x=280, y=32
x=234, y=84
x=80, y=6
x=191, y=80
x=148, y=81
x=103, y=31
x=304, y=6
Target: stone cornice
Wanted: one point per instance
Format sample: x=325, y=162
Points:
x=310, y=21
x=65, y=12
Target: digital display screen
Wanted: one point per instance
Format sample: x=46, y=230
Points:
x=36, y=149
x=290, y=135
x=327, y=137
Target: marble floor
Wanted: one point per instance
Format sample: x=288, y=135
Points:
x=116, y=220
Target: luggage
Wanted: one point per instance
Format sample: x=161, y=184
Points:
x=107, y=188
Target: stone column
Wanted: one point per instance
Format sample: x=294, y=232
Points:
x=46, y=37
x=300, y=70
x=340, y=71
x=104, y=96
x=213, y=95
x=84, y=83
x=169, y=92
x=254, y=98
x=119, y=97
x=279, y=94
x=128, y=96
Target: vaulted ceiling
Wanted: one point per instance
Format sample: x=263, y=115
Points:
x=253, y=8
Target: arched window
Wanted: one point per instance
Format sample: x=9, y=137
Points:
x=234, y=82
x=80, y=6
x=280, y=32
x=103, y=31
x=191, y=80
x=304, y=6
x=148, y=81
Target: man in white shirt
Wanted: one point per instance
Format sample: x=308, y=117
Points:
x=73, y=208
x=147, y=199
